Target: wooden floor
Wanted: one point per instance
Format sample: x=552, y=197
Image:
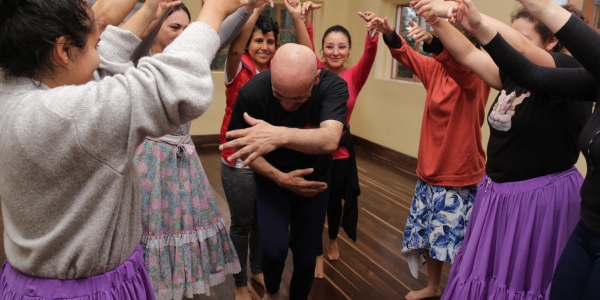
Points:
x=371, y=268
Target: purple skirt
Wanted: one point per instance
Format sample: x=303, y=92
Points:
x=128, y=281
x=515, y=237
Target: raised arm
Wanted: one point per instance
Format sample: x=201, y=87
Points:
x=406, y=55
x=112, y=12
x=581, y=40
x=367, y=59
x=176, y=87
x=569, y=83
x=295, y=9
x=151, y=11
x=466, y=54
x=520, y=42
x=237, y=47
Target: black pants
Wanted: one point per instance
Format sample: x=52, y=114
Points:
x=279, y=208
x=240, y=192
x=340, y=169
x=577, y=275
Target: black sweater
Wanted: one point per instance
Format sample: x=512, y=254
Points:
x=577, y=84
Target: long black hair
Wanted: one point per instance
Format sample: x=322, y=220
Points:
x=29, y=30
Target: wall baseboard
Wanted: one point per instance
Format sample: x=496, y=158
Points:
x=388, y=155
x=208, y=139
x=392, y=157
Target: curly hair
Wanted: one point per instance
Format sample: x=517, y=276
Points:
x=545, y=34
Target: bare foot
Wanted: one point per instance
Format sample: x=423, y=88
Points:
x=424, y=294
x=271, y=297
x=333, y=253
x=319, y=267
x=242, y=293
x=260, y=278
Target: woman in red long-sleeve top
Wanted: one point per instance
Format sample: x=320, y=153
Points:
x=451, y=159
x=336, y=45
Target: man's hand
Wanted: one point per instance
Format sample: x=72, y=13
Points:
x=255, y=141
x=295, y=182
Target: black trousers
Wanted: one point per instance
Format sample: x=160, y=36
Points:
x=278, y=210
x=577, y=274
x=239, y=189
x=340, y=169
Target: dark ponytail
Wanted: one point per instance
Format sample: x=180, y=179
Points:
x=29, y=29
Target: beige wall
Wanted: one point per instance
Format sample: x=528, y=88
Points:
x=388, y=112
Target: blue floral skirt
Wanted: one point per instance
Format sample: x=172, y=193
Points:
x=437, y=223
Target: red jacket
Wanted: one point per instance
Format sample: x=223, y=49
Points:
x=450, y=149
x=248, y=71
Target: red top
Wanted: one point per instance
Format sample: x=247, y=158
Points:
x=450, y=149
x=356, y=77
x=246, y=72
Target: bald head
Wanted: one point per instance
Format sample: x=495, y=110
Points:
x=294, y=64
x=293, y=74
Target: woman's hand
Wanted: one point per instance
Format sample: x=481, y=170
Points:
x=431, y=8
x=418, y=34
x=381, y=25
x=294, y=7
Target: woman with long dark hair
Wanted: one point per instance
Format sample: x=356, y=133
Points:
x=72, y=112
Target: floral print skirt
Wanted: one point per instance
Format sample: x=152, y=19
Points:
x=186, y=245
x=436, y=223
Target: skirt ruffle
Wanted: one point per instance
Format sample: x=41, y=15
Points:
x=186, y=245
x=515, y=237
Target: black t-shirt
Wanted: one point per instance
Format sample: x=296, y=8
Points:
x=535, y=135
x=327, y=102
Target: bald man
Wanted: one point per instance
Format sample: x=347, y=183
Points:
x=286, y=123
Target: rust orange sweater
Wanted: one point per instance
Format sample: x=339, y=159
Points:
x=450, y=149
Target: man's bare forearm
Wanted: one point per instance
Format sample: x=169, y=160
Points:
x=264, y=168
x=312, y=141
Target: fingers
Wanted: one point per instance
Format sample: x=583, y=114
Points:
x=411, y=23
x=236, y=134
x=302, y=172
x=250, y=120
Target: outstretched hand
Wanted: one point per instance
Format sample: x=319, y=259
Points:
x=419, y=34
x=259, y=3
x=258, y=140
x=295, y=182
x=381, y=25
x=466, y=14
x=368, y=16
x=158, y=7
x=309, y=6
x=294, y=7
x=431, y=8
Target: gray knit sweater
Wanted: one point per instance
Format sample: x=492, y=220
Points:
x=69, y=190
